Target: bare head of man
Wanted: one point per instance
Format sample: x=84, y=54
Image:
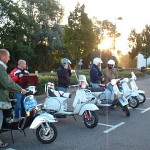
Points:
x=22, y=64
x=4, y=56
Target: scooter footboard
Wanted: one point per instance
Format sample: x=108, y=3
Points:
x=91, y=107
x=45, y=117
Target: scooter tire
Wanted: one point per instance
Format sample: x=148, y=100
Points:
x=49, y=137
x=92, y=121
x=126, y=110
x=133, y=102
x=142, y=98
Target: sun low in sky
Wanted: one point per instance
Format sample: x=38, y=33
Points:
x=134, y=13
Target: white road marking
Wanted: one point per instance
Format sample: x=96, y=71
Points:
x=10, y=149
x=114, y=127
x=105, y=125
x=145, y=110
x=140, y=108
x=147, y=98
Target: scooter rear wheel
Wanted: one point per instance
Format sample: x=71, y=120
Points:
x=142, y=98
x=48, y=136
x=92, y=119
x=133, y=102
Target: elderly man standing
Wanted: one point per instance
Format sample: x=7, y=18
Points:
x=16, y=74
x=6, y=85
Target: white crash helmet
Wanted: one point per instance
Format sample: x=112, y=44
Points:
x=65, y=61
x=111, y=62
x=97, y=60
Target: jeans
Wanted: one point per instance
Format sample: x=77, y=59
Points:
x=94, y=85
x=62, y=89
x=19, y=104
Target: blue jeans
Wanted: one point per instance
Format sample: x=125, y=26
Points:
x=62, y=89
x=94, y=85
x=18, y=106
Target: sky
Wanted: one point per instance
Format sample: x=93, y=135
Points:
x=134, y=13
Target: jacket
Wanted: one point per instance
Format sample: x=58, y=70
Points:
x=63, y=77
x=6, y=84
x=14, y=74
x=95, y=74
x=110, y=74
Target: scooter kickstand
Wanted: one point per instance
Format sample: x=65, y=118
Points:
x=74, y=118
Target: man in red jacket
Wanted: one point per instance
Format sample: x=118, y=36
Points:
x=16, y=75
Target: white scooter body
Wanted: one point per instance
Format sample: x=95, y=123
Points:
x=127, y=92
x=80, y=104
x=133, y=84
x=57, y=102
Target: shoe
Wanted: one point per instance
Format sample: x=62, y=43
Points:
x=3, y=144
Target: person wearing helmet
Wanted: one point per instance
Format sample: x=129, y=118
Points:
x=95, y=73
x=64, y=73
x=110, y=72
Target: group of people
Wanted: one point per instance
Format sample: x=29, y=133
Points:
x=96, y=76
x=11, y=83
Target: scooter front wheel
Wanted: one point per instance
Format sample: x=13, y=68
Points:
x=142, y=98
x=46, y=134
x=90, y=119
x=133, y=102
x=126, y=110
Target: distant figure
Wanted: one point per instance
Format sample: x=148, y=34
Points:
x=95, y=73
x=110, y=72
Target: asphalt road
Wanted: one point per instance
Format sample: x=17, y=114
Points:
x=114, y=131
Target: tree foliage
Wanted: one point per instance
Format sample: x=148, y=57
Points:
x=134, y=44
x=79, y=37
x=145, y=51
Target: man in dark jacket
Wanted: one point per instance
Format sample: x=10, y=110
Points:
x=95, y=74
x=6, y=85
x=64, y=73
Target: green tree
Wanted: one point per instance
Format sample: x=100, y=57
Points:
x=134, y=44
x=145, y=51
x=79, y=37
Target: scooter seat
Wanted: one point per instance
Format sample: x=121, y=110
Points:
x=100, y=89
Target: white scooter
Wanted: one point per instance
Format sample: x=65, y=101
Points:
x=34, y=118
x=132, y=96
x=56, y=102
x=105, y=97
x=134, y=88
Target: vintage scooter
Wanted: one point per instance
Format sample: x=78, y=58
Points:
x=106, y=96
x=132, y=96
x=34, y=118
x=134, y=88
x=56, y=102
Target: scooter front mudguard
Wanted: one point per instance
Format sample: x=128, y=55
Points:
x=87, y=106
x=123, y=101
x=140, y=91
x=45, y=117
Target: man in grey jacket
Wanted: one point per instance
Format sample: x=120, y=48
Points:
x=6, y=85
